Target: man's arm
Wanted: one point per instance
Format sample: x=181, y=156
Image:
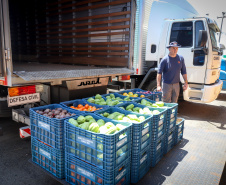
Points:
x=159, y=78
x=185, y=82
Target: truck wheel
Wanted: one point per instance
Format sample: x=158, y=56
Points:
x=152, y=86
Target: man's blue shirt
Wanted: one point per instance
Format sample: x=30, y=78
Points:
x=170, y=68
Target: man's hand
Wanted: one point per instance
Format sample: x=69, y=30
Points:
x=159, y=88
x=185, y=86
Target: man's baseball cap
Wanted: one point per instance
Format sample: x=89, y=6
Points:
x=173, y=44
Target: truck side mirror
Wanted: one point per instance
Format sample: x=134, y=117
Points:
x=202, y=38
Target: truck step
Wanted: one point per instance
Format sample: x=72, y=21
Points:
x=194, y=98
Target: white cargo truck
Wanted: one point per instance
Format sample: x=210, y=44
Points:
x=53, y=51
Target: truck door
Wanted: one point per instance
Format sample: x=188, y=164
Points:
x=186, y=34
x=5, y=45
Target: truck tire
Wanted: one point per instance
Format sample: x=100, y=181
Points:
x=152, y=86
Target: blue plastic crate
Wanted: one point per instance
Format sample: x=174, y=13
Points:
x=171, y=123
x=157, y=147
x=141, y=131
x=179, y=130
x=157, y=96
x=170, y=140
x=156, y=134
x=104, y=151
x=140, y=165
x=80, y=172
x=155, y=160
x=49, y=158
x=49, y=130
x=75, y=103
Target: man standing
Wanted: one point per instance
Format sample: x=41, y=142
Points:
x=169, y=71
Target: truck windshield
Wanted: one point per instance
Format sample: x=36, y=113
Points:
x=213, y=39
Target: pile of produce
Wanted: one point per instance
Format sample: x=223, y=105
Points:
x=149, y=104
x=111, y=100
x=145, y=92
x=98, y=99
x=132, y=118
x=140, y=110
x=58, y=113
x=86, y=107
x=99, y=126
x=131, y=94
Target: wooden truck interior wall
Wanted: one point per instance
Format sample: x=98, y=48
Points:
x=85, y=32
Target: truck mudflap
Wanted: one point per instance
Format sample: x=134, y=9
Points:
x=206, y=94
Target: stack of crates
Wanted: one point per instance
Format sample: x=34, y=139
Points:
x=172, y=109
x=158, y=131
x=179, y=130
x=94, y=158
x=158, y=135
x=141, y=138
x=47, y=140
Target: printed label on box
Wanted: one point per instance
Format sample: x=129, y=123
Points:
x=43, y=152
x=85, y=141
x=119, y=176
x=143, y=159
x=120, y=143
x=44, y=125
x=86, y=173
x=145, y=131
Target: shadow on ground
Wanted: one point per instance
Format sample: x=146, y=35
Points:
x=166, y=165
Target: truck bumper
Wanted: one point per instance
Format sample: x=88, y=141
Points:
x=206, y=94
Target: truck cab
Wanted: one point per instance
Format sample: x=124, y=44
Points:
x=202, y=58
x=197, y=36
